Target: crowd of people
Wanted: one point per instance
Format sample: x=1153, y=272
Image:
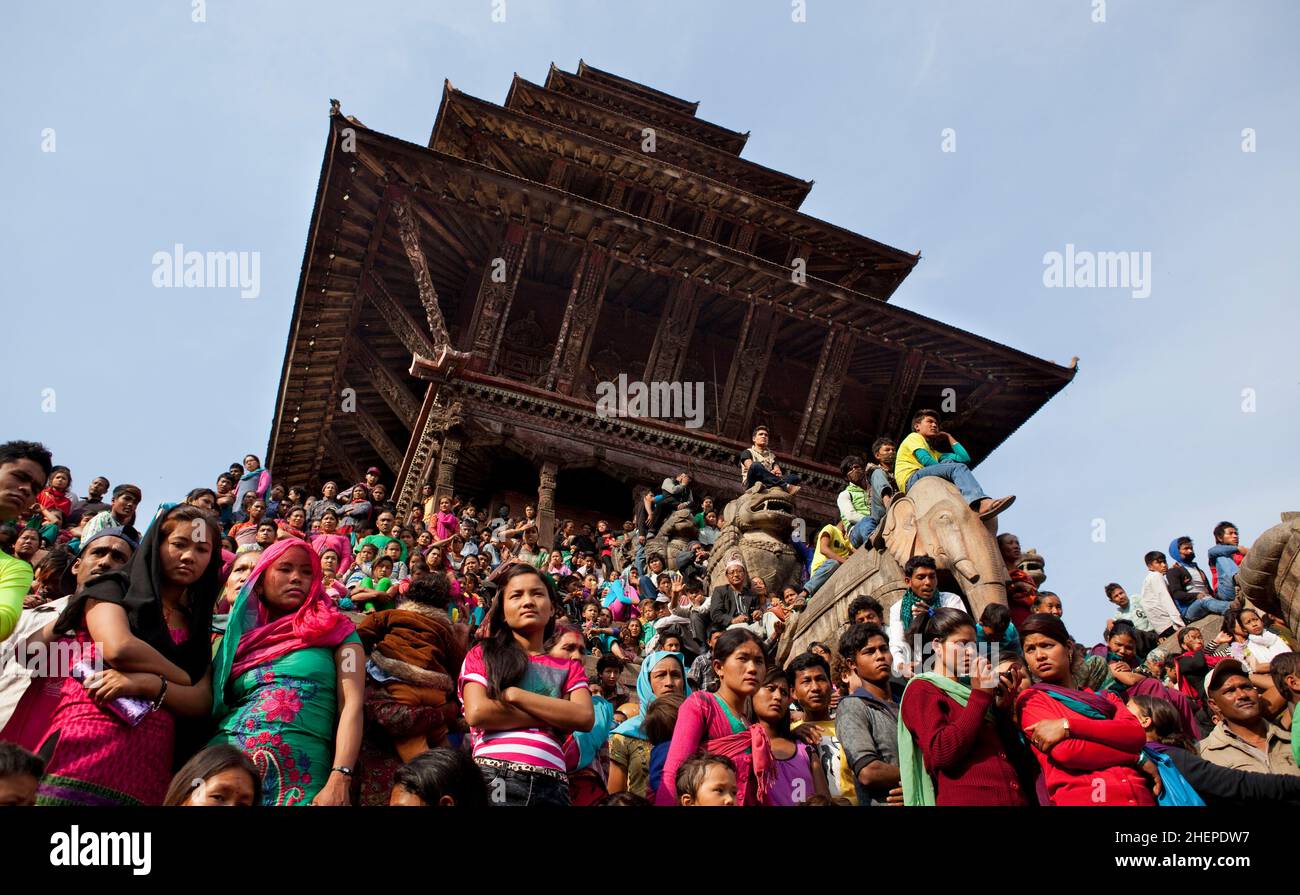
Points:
x=260, y=644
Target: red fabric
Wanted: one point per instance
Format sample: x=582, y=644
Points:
x=962, y=750
x=1096, y=764
x=54, y=499
x=699, y=720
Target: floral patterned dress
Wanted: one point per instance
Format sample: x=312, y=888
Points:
x=283, y=716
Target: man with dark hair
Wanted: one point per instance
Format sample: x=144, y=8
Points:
x=931, y=451
x=758, y=466
x=1188, y=585
x=701, y=675
x=109, y=549
x=24, y=468
x=810, y=685
x=1244, y=738
x=121, y=512
x=673, y=493
x=866, y=609
x=1225, y=558
x=867, y=720
x=1156, y=602
x=93, y=505
x=921, y=597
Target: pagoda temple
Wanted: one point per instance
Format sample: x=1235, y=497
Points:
x=461, y=304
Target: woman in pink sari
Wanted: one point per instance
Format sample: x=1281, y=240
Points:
x=289, y=680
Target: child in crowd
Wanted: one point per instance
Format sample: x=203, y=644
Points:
x=372, y=592
x=361, y=565
x=707, y=780
x=413, y=652
x=796, y=772
x=439, y=778
x=995, y=627
x=401, y=571
x=20, y=773
x=660, y=720
x=220, y=776
x=1157, y=603
x=1049, y=603
x=867, y=721
x=1285, y=671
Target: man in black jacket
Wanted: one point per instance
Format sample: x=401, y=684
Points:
x=733, y=603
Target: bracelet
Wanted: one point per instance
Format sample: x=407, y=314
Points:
x=345, y=771
x=157, y=703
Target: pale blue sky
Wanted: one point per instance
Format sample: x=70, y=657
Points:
x=1117, y=136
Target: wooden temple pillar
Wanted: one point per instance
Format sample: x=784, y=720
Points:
x=745, y=379
x=579, y=325
x=546, y=503
x=827, y=382
x=445, y=486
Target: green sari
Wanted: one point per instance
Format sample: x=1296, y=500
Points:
x=283, y=716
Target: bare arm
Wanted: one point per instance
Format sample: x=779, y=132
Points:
x=121, y=649
x=486, y=713
x=349, y=660
x=573, y=712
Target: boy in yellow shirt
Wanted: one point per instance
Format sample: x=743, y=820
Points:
x=931, y=451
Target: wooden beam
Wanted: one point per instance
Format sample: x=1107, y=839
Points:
x=590, y=277
x=902, y=392
x=410, y=234
x=748, y=365
x=404, y=326
x=377, y=438
x=496, y=293
x=340, y=456
x=381, y=379
x=825, y=392
x=668, y=354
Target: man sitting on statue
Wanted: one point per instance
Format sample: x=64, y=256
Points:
x=673, y=493
x=758, y=466
x=931, y=451
x=865, y=500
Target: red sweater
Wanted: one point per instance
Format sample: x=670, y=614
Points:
x=964, y=753
x=1095, y=764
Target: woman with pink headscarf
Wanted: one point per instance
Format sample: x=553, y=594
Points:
x=289, y=681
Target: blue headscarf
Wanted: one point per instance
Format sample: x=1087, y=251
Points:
x=590, y=741
x=1176, y=557
x=632, y=727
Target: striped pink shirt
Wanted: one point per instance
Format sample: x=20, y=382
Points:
x=534, y=746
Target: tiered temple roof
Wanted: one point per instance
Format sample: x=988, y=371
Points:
x=472, y=293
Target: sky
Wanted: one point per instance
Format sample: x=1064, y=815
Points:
x=1123, y=135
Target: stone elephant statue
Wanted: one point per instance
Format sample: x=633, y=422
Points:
x=1270, y=575
x=932, y=519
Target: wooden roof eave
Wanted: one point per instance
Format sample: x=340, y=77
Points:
x=776, y=273
x=327, y=163
x=690, y=107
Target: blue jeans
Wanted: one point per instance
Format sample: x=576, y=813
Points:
x=957, y=473
x=516, y=786
x=820, y=574
x=862, y=530
x=1203, y=607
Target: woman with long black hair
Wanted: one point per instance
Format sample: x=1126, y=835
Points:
x=517, y=698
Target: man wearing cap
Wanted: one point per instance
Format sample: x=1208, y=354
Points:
x=733, y=603
x=1244, y=738
x=121, y=512
x=106, y=550
x=758, y=466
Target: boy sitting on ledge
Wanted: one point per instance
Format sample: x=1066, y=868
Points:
x=931, y=451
